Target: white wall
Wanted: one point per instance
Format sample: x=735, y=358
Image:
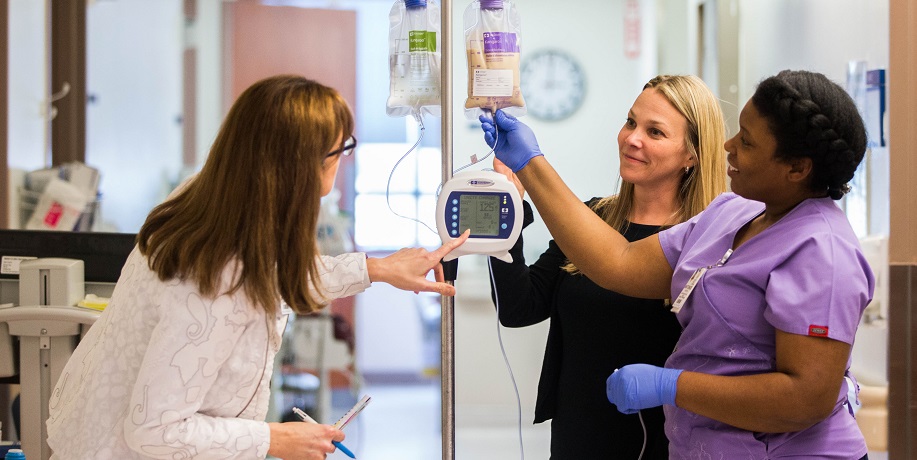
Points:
x=28, y=85
x=206, y=35
x=677, y=29
x=27, y=127
x=817, y=35
x=133, y=128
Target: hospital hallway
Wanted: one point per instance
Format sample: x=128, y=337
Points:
x=403, y=422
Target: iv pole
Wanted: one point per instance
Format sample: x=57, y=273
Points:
x=447, y=326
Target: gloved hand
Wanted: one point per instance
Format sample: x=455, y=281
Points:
x=515, y=142
x=640, y=386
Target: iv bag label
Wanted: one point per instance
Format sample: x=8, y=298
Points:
x=493, y=82
x=500, y=42
x=10, y=264
x=421, y=40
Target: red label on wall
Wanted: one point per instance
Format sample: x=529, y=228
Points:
x=53, y=215
x=632, y=32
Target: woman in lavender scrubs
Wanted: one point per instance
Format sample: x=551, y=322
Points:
x=769, y=282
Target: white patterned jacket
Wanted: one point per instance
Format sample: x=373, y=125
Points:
x=166, y=373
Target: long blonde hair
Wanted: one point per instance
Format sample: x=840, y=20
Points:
x=705, y=137
x=256, y=200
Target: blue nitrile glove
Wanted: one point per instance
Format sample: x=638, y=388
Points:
x=516, y=143
x=640, y=386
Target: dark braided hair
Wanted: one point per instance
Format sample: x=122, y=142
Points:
x=811, y=116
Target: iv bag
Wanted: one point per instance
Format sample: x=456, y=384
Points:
x=492, y=37
x=414, y=58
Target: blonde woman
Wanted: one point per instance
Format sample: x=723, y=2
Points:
x=672, y=164
x=179, y=364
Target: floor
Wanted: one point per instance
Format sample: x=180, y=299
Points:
x=403, y=422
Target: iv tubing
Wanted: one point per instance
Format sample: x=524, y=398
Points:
x=506, y=360
x=642, y=424
x=388, y=185
x=474, y=159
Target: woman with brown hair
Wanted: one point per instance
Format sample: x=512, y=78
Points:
x=179, y=363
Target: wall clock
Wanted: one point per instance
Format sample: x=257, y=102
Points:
x=553, y=84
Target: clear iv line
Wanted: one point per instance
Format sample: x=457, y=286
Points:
x=506, y=360
x=513, y=379
x=474, y=158
x=642, y=425
x=388, y=185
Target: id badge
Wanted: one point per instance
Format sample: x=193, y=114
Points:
x=692, y=282
x=686, y=291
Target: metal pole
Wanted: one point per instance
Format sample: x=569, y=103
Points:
x=447, y=327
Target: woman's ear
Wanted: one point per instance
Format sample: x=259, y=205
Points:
x=800, y=169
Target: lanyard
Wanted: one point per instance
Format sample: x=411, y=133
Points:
x=692, y=282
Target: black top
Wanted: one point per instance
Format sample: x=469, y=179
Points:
x=593, y=331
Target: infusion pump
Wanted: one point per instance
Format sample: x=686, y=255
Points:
x=485, y=202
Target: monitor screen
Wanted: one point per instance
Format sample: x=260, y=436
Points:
x=480, y=213
x=103, y=254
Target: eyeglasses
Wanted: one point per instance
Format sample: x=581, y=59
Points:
x=346, y=150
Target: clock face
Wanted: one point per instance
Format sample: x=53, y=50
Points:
x=552, y=83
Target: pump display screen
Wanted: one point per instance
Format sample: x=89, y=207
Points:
x=489, y=215
x=480, y=213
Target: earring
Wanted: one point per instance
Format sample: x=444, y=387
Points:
x=687, y=169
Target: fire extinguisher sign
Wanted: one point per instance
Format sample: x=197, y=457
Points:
x=632, y=29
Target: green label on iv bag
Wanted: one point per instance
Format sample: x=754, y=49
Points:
x=422, y=40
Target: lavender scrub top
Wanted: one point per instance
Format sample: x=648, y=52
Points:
x=805, y=274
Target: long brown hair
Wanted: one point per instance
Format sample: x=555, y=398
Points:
x=704, y=140
x=256, y=200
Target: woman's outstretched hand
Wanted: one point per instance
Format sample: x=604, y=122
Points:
x=407, y=268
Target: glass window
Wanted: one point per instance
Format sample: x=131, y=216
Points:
x=394, y=207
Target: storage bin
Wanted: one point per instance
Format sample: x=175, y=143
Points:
x=28, y=199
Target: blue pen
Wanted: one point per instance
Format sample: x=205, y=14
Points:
x=305, y=417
